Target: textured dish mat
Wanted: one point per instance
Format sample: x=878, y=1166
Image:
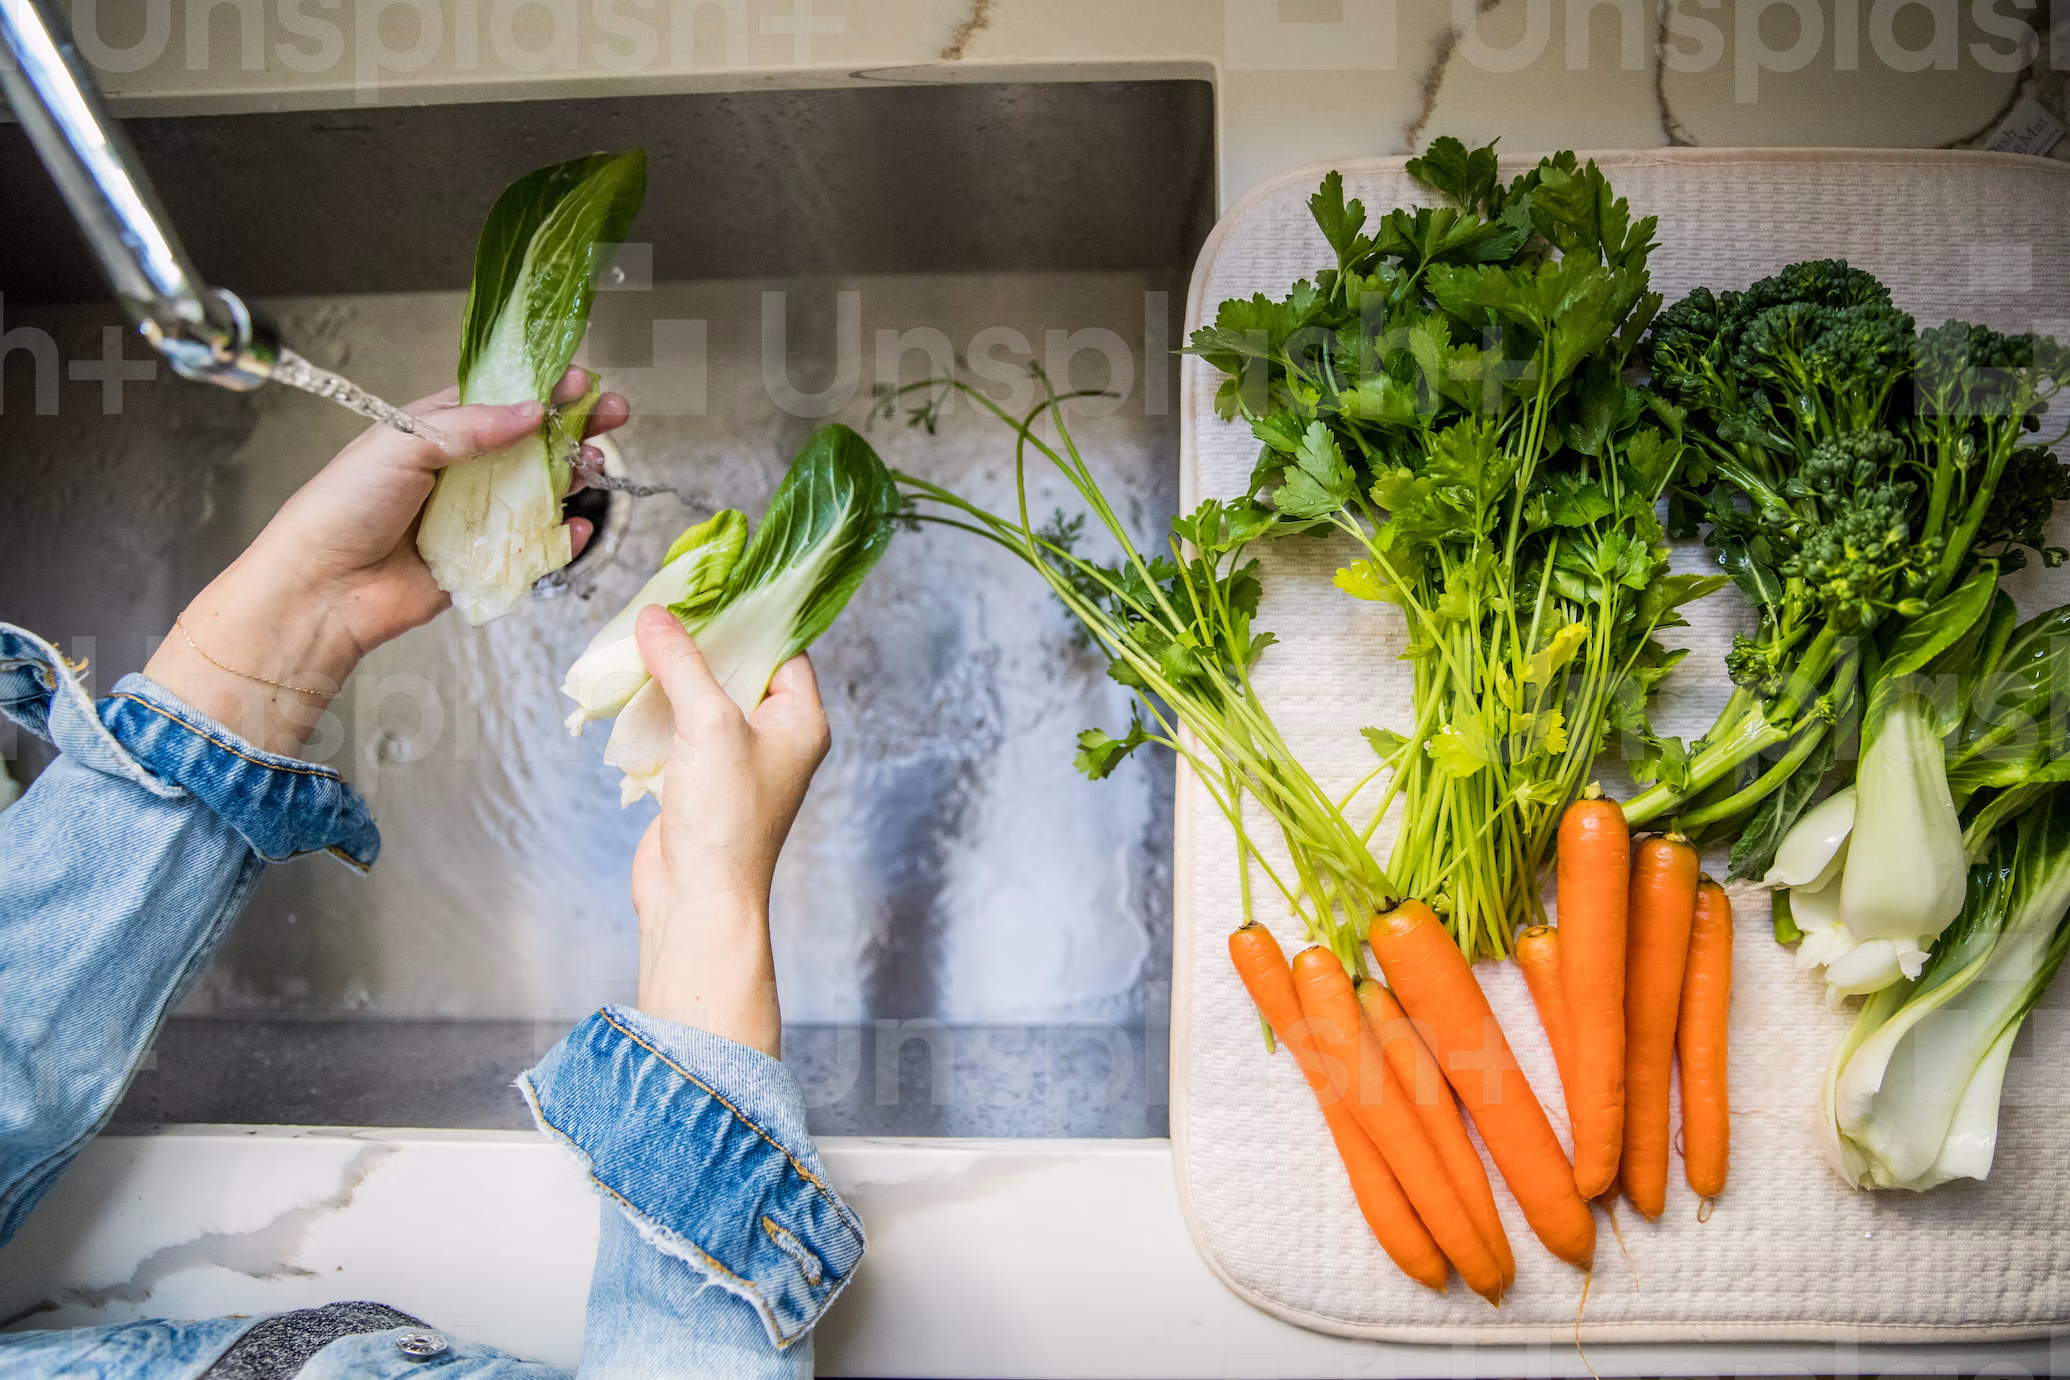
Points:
x=1789, y=1252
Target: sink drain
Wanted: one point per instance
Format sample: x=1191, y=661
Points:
x=610, y=514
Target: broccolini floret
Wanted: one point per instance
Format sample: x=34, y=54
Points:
x=1850, y=471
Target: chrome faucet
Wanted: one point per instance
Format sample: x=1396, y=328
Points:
x=205, y=333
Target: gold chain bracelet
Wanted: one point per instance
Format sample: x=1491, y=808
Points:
x=179, y=621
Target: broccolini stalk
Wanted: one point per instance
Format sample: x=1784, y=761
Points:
x=1178, y=630
x=1450, y=397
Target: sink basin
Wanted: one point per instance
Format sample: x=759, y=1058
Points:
x=971, y=939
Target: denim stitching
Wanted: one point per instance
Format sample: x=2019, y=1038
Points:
x=324, y=772
x=768, y=1307
x=797, y=1250
x=744, y=1119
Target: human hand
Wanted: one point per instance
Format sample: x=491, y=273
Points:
x=336, y=572
x=701, y=876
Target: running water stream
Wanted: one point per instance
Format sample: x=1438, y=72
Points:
x=297, y=372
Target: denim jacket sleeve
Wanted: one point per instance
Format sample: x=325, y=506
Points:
x=723, y=1241
x=121, y=871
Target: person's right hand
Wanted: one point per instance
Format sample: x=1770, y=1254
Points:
x=702, y=874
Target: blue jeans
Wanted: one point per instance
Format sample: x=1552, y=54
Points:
x=121, y=871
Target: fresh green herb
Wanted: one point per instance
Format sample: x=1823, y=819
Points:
x=1178, y=628
x=1451, y=395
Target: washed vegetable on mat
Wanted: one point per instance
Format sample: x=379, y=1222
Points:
x=1361, y=1076
x=493, y=525
x=1701, y=1042
x=1594, y=893
x=1911, y=1097
x=751, y=604
x=1416, y=1071
x=1538, y=955
x=1663, y=910
x=1866, y=485
x=1269, y=980
x=1450, y=395
x=1437, y=988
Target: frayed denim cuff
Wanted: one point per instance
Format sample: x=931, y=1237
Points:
x=144, y=733
x=701, y=1142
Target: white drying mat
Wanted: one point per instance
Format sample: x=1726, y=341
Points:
x=1790, y=1253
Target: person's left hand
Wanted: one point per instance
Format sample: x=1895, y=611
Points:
x=336, y=572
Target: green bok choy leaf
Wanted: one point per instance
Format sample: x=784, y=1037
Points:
x=493, y=525
x=750, y=609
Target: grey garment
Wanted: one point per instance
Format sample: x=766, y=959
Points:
x=277, y=1348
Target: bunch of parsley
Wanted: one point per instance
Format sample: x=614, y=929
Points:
x=1453, y=396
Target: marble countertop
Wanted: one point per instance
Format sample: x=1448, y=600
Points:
x=997, y=1258
x=1296, y=81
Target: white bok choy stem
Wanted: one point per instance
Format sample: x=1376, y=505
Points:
x=493, y=525
x=823, y=531
x=1911, y=1097
x=693, y=573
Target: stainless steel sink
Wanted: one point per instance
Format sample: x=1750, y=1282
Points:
x=971, y=939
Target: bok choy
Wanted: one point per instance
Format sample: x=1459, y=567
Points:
x=1911, y=1097
x=493, y=525
x=751, y=603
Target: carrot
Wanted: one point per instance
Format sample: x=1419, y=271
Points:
x=1418, y=1074
x=1700, y=1042
x=1663, y=909
x=1594, y=893
x=1435, y=985
x=1359, y=1072
x=1538, y=954
x=1387, y=1210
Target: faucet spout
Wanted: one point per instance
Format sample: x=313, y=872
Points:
x=204, y=333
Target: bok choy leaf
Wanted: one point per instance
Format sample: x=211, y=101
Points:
x=823, y=531
x=693, y=573
x=1911, y=1097
x=493, y=525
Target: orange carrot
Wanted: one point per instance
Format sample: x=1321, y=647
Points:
x=1663, y=909
x=1435, y=985
x=1700, y=1041
x=1387, y=1210
x=1418, y=1074
x=1594, y=893
x=1359, y=1072
x=1538, y=954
